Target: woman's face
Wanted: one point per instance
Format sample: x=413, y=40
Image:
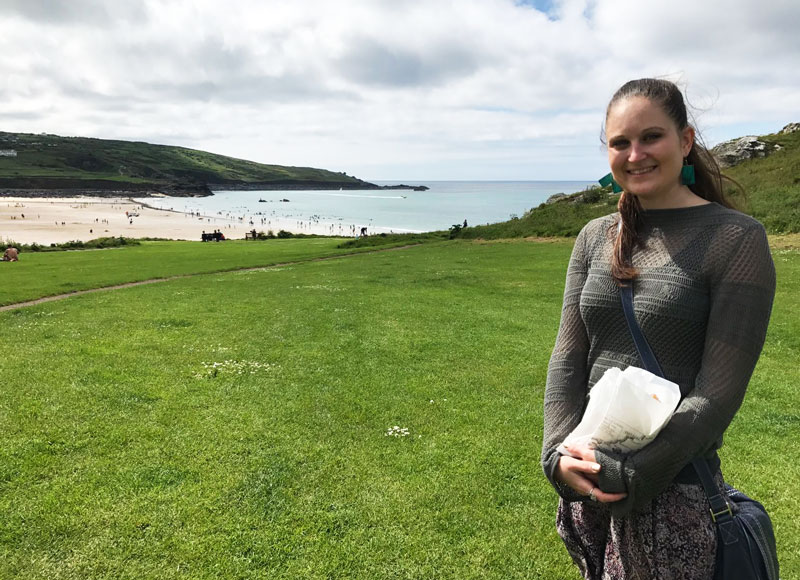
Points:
x=646, y=150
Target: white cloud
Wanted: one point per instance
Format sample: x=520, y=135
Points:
x=384, y=89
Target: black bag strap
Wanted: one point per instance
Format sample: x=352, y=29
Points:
x=642, y=347
x=720, y=508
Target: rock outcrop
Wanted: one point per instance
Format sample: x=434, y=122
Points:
x=790, y=128
x=555, y=197
x=735, y=151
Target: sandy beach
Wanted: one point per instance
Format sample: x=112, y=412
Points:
x=56, y=220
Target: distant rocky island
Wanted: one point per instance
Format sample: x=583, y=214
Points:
x=44, y=165
x=404, y=186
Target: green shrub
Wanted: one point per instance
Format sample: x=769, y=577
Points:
x=593, y=195
x=79, y=245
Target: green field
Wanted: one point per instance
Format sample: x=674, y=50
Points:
x=51, y=273
x=234, y=424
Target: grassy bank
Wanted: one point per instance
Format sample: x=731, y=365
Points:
x=772, y=185
x=240, y=425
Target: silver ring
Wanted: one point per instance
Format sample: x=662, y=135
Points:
x=591, y=495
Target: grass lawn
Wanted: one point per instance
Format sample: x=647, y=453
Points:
x=239, y=424
x=39, y=274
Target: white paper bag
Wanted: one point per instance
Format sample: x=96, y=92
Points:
x=626, y=411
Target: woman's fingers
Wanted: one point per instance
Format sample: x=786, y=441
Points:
x=588, y=467
x=581, y=476
x=576, y=464
x=583, y=452
x=577, y=474
x=604, y=497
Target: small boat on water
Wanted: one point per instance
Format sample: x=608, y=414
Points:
x=262, y=200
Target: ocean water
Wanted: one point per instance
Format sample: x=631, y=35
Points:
x=444, y=204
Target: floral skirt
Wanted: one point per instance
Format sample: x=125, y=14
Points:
x=671, y=538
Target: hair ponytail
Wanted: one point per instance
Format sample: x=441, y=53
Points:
x=626, y=237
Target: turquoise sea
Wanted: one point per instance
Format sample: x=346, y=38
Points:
x=444, y=204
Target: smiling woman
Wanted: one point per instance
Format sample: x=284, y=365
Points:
x=646, y=152
x=704, y=281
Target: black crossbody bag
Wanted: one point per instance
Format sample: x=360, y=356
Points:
x=745, y=540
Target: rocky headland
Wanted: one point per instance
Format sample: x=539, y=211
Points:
x=44, y=165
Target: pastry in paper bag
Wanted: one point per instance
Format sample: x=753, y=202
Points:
x=626, y=410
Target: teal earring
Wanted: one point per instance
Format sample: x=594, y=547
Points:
x=687, y=173
x=607, y=180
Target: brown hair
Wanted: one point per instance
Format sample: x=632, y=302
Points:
x=708, y=177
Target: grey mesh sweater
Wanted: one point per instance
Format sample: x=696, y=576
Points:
x=702, y=298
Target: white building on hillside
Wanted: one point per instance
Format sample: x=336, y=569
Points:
x=8, y=153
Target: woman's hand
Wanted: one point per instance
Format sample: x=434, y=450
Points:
x=579, y=471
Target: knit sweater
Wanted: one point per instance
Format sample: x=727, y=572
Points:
x=703, y=298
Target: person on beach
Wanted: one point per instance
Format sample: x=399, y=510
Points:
x=11, y=254
x=703, y=283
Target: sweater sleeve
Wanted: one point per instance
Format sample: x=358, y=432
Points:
x=566, y=388
x=741, y=292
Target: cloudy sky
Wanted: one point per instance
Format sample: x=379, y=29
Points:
x=391, y=89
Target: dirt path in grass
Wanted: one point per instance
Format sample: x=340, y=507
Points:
x=27, y=303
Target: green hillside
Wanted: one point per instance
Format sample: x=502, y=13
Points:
x=772, y=195
x=50, y=162
x=772, y=185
